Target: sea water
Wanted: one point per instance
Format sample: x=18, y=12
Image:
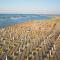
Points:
x=9, y=19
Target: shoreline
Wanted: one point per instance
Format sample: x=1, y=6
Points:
x=55, y=19
x=32, y=36
x=6, y=25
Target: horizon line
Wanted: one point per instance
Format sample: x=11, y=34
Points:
x=31, y=13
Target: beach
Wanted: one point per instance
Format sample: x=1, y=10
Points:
x=31, y=40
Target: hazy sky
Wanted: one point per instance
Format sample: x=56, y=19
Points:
x=30, y=6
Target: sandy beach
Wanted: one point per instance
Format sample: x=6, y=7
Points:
x=33, y=40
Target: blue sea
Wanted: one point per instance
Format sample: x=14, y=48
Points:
x=9, y=19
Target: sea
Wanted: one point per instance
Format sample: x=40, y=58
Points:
x=9, y=19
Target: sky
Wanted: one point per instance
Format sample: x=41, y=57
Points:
x=30, y=6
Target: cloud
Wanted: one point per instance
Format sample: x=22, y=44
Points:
x=28, y=10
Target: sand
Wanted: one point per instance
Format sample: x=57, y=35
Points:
x=35, y=36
